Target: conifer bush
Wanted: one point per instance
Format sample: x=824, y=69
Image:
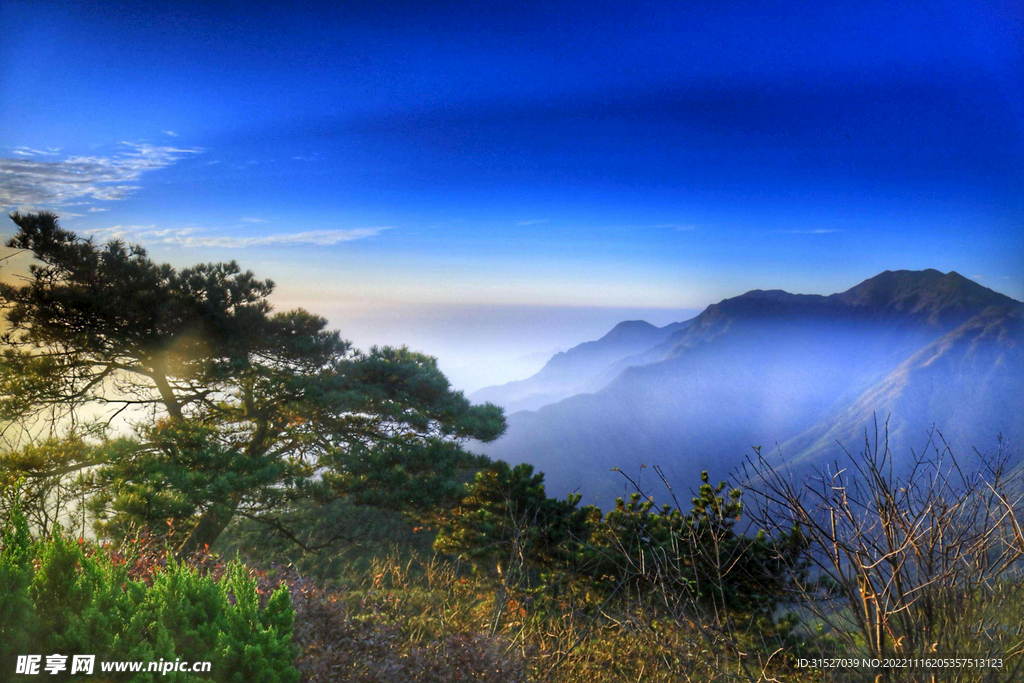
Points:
x=70, y=596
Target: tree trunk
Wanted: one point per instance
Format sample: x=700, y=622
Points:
x=209, y=528
x=167, y=395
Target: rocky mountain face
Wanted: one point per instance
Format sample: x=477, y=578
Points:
x=799, y=375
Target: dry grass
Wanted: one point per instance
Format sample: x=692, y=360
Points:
x=425, y=620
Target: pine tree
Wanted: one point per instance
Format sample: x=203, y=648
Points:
x=245, y=409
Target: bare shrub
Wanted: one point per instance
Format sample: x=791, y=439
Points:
x=913, y=559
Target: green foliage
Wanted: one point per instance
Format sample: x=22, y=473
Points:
x=418, y=477
x=506, y=516
x=17, y=619
x=46, y=499
x=237, y=409
x=698, y=554
x=177, y=468
x=695, y=558
x=69, y=596
x=254, y=641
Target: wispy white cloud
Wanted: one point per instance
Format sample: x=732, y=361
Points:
x=319, y=238
x=97, y=209
x=250, y=219
x=29, y=152
x=191, y=237
x=534, y=221
x=29, y=182
x=171, y=133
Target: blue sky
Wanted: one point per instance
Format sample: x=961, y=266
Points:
x=386, y=157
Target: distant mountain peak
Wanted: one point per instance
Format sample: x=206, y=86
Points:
x=776, y=295
x=629, y=329
x=930, y=294
x=627, y=324
x=929, y=277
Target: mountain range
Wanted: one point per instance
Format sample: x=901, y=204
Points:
x=580, y=369
x=801, y=375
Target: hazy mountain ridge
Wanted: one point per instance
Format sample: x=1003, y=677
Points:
x=769, y=367
x=955, y=384
x=576, y=370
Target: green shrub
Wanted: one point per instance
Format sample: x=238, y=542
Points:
x=69, y=596
x=16, y=614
